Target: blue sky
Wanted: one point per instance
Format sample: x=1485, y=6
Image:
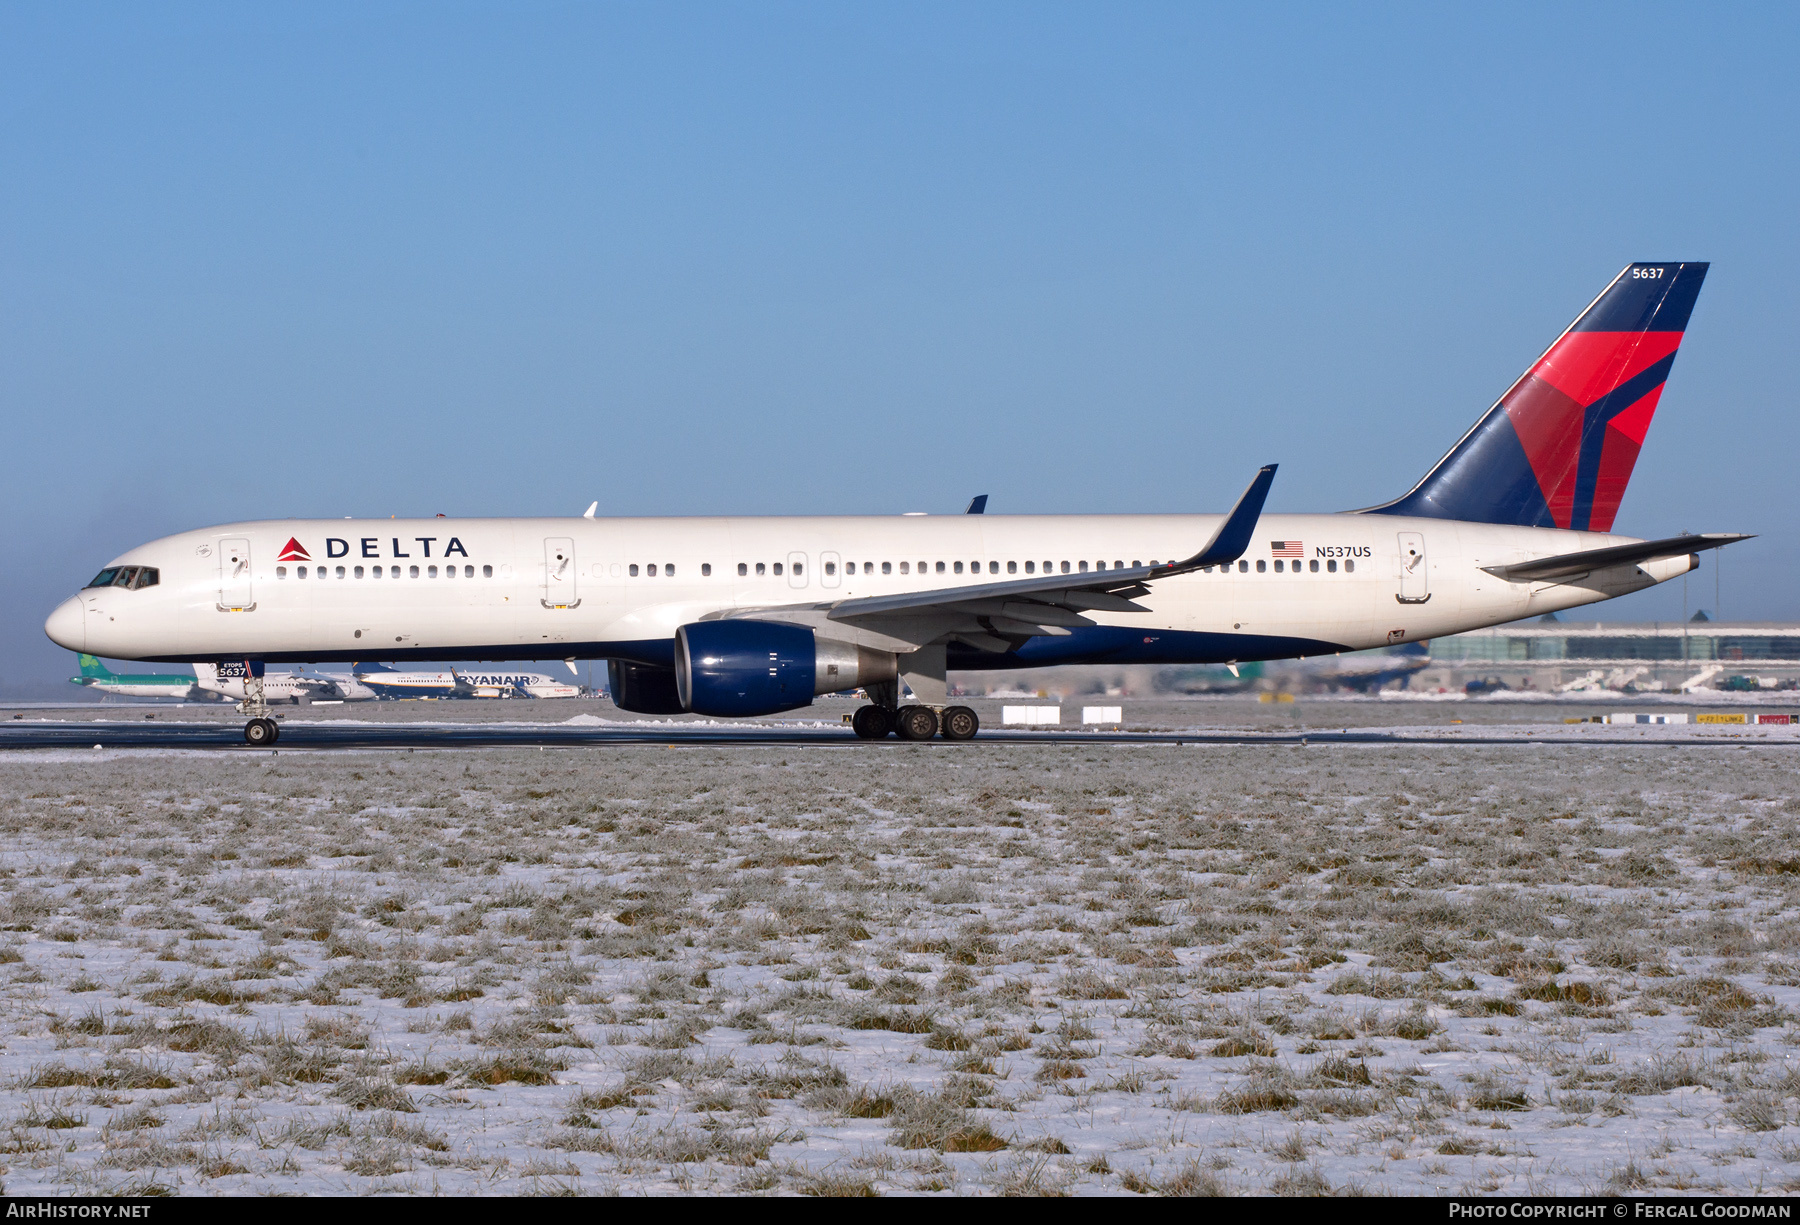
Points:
x=509, y=259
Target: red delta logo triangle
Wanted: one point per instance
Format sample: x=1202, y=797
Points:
x=293, y=550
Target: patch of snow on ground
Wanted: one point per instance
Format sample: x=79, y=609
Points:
x=1417, y=969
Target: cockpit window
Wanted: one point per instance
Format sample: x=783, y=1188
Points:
x=129, y=577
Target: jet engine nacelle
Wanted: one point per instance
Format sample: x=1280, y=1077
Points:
x=735, y=668
x=642, y=688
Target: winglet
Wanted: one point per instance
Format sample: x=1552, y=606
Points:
x=977, y=505
x=1233, y=537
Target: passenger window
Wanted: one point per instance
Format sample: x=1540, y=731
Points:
x=830, y=567
x=374, y=571
x=280, y=571
x=340, y=572
x=413, y=572
x=705, y=569
x=1065, y=567
x=743, y=569
x=358, y=572
x=1243, y=567
x=1135, y=563
x=1119, y=565
x=887, y=567
x=487, y=572
x=940, y=567
x=669, y=571
x=1012, y=567
x=1083, y=567
x=1278, y=565
x=1331, y=567
x=468, y=571
x=1031, y=567
x=1313, y=566
x=760, y=570
x=1206, y=569
x=631, y=569
x=430, y=571
x=906, y=567
x=993, y=567
x=1349, y=566
x=958, y=567
x=776, y=568
x=868, y=567
x=1262, y=567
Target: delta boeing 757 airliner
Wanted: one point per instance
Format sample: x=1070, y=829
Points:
x=740, y=617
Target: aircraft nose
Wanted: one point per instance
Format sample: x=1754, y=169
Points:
x=67, y=626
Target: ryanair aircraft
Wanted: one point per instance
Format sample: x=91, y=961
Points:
x=735, y=617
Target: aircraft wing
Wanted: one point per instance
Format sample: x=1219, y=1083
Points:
x=1568, y=565
x=998, y=616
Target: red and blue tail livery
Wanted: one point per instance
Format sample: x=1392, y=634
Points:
x=1558, y=448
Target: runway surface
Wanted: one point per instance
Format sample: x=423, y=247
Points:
x=315, y=735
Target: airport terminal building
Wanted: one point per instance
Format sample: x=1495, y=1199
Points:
x=1652, y=656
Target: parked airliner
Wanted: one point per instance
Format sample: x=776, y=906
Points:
x=735, y=617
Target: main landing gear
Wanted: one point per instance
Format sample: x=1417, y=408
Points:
x=260, y=733
x=915, y=722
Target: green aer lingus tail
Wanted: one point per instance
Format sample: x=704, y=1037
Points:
x=96, y=675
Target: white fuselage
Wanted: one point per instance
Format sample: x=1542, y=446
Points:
x=175, y=687
x=284, y=686
x=619, y=588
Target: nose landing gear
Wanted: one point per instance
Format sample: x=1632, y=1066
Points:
x=261, y=730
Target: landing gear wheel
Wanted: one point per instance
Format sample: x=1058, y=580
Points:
x=872, y=723
x=915, y=723
x=960, y=723
x=260, y=732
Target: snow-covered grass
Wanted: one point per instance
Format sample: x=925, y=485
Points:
x=890, y=968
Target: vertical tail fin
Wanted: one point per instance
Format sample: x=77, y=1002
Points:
x=94, y=668
x=1558, y=448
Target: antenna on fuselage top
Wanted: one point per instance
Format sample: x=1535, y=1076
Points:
x=589, y=512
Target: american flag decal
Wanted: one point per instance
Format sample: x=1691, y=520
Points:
x=1287, y=548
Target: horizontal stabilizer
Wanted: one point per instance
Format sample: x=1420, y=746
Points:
x=1567, y=565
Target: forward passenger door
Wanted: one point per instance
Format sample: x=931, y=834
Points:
x=235, y=592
